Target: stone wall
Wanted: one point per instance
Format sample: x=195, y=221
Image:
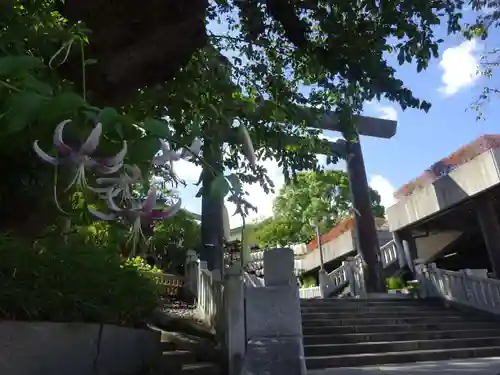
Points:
x=44, y=348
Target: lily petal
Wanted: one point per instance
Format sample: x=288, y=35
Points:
x=107, y=169
x=248, y=149
x=44, y=156
x=165, y=214
x=118, y=158
x=225, y=223
x=150, y=201
x=196, y=146
x=111, y=203
x=192, y=150
x=101, y=215
x=92, y=141
x=61, y=147
x=133, y=172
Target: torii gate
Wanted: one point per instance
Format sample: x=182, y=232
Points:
x=366, y=234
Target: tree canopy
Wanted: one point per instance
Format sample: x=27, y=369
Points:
x=320, y=198
x=89, y=62
x=487, y=20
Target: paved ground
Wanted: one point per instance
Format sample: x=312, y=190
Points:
x=479, y=366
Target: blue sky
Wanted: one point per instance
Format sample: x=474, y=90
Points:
x=451, y=84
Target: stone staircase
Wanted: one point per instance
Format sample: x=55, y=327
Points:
x=185, y=362
x=363, y=332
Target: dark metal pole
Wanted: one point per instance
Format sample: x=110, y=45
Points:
x=366, y=233
x=212, y=204
x=320, y=246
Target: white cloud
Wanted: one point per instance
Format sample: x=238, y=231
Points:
x=388, y=113
x=460, y=67
x=384, y=187
x=256, y=195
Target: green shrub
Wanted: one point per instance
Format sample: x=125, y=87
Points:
x=309, y=282
x=141, y=265
x=75, y=282
x=395, y=283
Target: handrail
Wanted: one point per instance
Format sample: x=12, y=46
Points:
x=388, y=254
x=460, y=287
x=351, y=271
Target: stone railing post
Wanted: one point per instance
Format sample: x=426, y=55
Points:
x=349, y=275
x=324, y=283
x=464, y=286
x=399, y=250
x=201, y=265
x=191, y=271
x=234, y=318
x=274, y=326
x=423, y=288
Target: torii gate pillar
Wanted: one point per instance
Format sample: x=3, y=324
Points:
x=365, y=230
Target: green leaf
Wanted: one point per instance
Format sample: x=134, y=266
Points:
x=63, y=106
x=235, y=184
x=12, y=65
x=108, y=116
x=144, y=149
x=157, y=127
x=23, y=109
x=219, y=186
x=36, y=85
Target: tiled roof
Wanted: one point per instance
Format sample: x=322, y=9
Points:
x=340, y=229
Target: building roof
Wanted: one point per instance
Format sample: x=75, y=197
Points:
x=341, y=228
x=446, y=165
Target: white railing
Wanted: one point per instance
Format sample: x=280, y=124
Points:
x=388, y=254
x=171, y=284
x=351, y=271
x=458, y=286
x=338, y=277
x=312, y=292
x=210, y=298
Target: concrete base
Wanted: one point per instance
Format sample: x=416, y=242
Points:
x=43, y=348
x=274, y=356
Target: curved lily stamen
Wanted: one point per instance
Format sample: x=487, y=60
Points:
x=101, y=215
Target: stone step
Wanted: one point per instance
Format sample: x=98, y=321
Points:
x=373, y=309
x=368, y=303
x=179, y=356
x=352, y=338
x=355, y=314
x=206, y=368
x=402, y=320
x=380, y=328
x=370, y=359
x=399, y=346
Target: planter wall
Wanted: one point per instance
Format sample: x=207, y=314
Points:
x=42, y=348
